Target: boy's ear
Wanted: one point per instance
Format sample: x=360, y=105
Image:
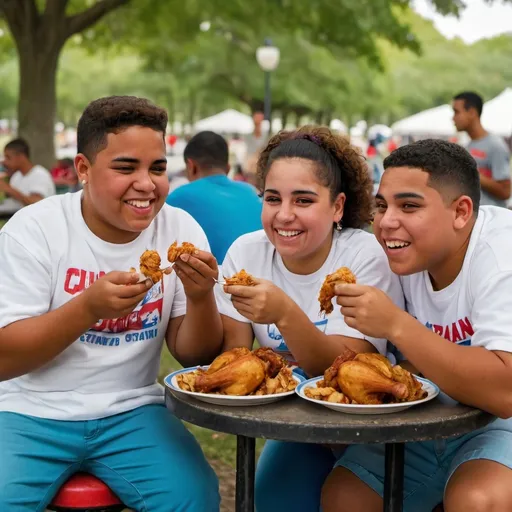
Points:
x=82, y=166
x=463, y=209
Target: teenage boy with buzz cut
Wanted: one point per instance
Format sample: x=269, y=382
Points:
x=454, y=262
x=80, y=337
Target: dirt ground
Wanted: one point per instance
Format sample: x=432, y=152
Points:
x=226, y=476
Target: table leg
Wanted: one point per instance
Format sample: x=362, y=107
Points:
x=245, y=464
x=394, y=478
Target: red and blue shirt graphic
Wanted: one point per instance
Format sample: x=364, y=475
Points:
x=140, y=325
x=459, y=332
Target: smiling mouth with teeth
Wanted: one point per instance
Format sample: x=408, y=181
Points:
x=396, y=244
x=139, y=203
x=284, y=233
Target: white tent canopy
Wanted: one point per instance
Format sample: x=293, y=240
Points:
x=228, y=121
x=338, y=125
x=437, y=121
x=379, y=129
x=497, y=114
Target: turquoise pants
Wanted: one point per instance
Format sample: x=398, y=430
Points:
x=146, y=456
x=290, y=476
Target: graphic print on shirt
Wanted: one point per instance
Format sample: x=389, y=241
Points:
x=277, y=342
x=481, y=156
x=140, y=325
x=459, y=332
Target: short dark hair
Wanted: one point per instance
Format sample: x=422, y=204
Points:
x=471, y=100
x=209, y=150
x=19, y=146
x=448, y=164
x=340, y=166
x=114, y=114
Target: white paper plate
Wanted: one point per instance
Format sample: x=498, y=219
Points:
x=431, y=389
x=233, y=401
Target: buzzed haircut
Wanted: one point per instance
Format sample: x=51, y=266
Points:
x=209, y=150
x=449, y=165
x=113, y=114
x=471, y=100
x=19, y=146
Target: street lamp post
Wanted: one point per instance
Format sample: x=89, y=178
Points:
x=268, y=60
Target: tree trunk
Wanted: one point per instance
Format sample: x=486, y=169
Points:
x=37, y=100
x=284, y=117
x=39, y=38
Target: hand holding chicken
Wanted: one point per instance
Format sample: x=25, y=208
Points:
x=262, y=303
x=369, y=310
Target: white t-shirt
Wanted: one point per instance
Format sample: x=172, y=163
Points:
x=37, y=181
x=48, y=256
x=476, y=309
x=352, y=248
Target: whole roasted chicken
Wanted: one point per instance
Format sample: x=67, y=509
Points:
x=241, y=372
x=366, y=379
x=240, y=377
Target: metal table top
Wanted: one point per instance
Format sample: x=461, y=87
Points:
x=295, y=419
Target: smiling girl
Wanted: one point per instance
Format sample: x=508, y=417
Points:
x=317, y=198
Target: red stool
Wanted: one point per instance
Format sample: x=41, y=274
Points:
x=85, y=493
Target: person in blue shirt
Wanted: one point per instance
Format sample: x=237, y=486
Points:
x=225, y=209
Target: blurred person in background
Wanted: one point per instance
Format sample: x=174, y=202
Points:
x=224, y=208
x=28, y=184
x=254, y=142
x=490, y=151
x=374, y=161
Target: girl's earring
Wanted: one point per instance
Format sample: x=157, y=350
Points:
x=339, y=226
x=83, y=182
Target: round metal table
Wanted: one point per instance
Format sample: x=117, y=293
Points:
x=294, y=419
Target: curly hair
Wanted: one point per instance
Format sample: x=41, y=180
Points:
x=449, y=166
x=339, y=166
x=114, y=114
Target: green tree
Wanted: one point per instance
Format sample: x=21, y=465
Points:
x=40, y=29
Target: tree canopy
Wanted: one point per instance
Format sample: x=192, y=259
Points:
x=371, y=58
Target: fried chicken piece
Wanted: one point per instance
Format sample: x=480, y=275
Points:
x=150, y=265
x=327, y=394
x=414, y=387
x=342, y=275
x=240, y=377
x=331, y=374
x=175, y=250
x=241, y=278
x=226, y=358
x=281, y=383
x=364, y=384
x=379, y=362
x=274, y=362
x=187, y=381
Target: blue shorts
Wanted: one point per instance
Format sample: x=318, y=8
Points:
x=290, y=476
x=146, y=456
x=430, y=464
